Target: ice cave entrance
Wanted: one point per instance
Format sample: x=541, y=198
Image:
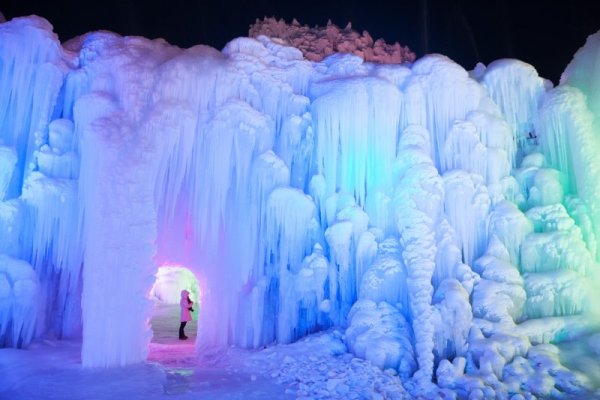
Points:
x=166, y=294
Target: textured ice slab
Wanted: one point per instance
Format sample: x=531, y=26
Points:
x=556, y=293
x=551, y=251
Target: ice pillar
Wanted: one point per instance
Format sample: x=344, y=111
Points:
x=119, y=235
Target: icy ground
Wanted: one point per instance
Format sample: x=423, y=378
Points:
x=317, y=367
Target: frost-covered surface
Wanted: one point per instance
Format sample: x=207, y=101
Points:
x=443, y=223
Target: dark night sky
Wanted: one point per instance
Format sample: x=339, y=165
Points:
x=545, y=34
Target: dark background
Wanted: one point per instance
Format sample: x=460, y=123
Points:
x=545, y=34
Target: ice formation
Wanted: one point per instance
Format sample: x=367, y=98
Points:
x=447, y=220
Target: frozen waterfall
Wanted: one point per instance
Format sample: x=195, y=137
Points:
x=448, y=221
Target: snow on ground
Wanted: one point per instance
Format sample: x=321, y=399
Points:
x=317, y=367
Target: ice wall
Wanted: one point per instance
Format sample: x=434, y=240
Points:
x=38, y=164
x=441, y=217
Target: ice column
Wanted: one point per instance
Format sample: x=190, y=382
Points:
x=120, y=155
x=418, y=203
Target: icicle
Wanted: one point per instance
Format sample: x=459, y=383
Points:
x=8, y=160
x=463, y=150
x=437, y=93
x=342, y=275
x=290, y=228
x=510, y=226
x=355, y=124
x=467, y=205
x=12, y=228
x=518, y=90
x=366, y=251
x=19, y=297
x=31, y=74
x=495, y=133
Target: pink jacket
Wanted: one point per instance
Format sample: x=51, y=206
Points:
x=185, y=304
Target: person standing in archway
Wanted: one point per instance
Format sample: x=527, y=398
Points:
x=186, y=312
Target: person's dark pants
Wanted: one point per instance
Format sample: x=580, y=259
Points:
x=181, y=334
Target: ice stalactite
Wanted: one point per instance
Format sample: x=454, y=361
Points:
x=467, y=205
x=518, y=90
x=366, y=252
x=290, y=231
x=448, y=259
x=52, y=207
x=339, y=239
x=418, y=207
x=437, y=93
x=31, y=75
x=566, y=129
x=12, y=225
x=511, y=226
x=494, y=133
x=51, y=197
x=355, y=150
x=8, y=160
x=19, y=299
x=342, y=238
x=463, y=150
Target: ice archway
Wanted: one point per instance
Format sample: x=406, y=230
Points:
x=170, y=281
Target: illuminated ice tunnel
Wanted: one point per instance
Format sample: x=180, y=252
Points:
x=170, y=281
x=435, y=215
